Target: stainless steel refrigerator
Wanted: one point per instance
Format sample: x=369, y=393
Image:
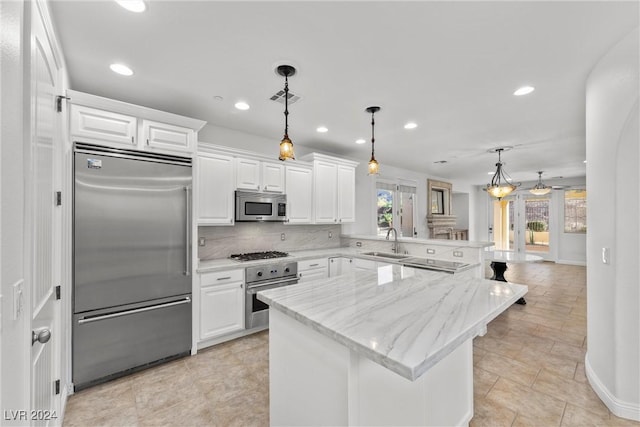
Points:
x=132, y=261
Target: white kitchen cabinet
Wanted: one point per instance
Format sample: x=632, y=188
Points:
x=163, y=136
x=346, y=191
x=364, y=264
x=312, y=269
x=325, y=181
x=98, y=126
x=221, y=303
x=299, y=185
x=103, y=121
x=255, y=175
x=273, y=177
x=340, y=265
x=214, y=182
x=334, y=189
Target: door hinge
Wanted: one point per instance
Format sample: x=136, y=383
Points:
x=59, y=99
x=57, y=386
x=58, y=198
x=58, y=292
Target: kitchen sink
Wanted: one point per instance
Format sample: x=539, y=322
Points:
x=386, y=255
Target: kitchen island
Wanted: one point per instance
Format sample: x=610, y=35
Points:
x=387, y=347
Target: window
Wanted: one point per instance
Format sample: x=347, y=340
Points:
x=395, y=208
x=575, y=211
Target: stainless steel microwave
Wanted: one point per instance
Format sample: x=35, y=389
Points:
x=260, y=207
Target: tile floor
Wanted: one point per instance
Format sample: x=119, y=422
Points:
x=529, y=371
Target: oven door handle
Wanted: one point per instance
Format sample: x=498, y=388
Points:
x=271, y=284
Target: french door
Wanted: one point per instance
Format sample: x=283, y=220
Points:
x=523, y=223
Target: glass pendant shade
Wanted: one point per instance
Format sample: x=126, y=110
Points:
x=500, y=186
x=374, y=167
x=286, y=149
x=540, y=189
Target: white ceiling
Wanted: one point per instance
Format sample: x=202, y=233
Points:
x=449, y=66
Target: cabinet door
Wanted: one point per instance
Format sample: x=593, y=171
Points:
x=299, y=183
x=221, y=309
x=103, y=126
x=215, y=189
x=346, y=194
x=247, y=174
x=163, y=136
x=308, y=275
x=273, y=177
x=364, y=264
x=325, y=205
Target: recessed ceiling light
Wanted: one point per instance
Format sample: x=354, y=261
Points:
x=584, y=161
x=410, y=125
x=524, y=90
x=491, y=173
x=322, y=129
x=241, y=105
x=121, y=69
x=133, y=5
x=218, y=98
x=360, y=141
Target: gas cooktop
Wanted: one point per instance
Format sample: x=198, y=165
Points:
x=252, y=256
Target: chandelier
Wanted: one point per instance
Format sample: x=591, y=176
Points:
x=501, y=185
x=540, y=189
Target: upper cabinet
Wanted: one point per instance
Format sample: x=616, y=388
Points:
x=214, y=189
x=104, y=121
x=163, y=136
x=334, y=189
x=299, y=194
x=103, y=126
x=256, y=175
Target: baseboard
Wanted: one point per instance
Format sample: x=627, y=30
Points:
x=569, y=262
x=619, y=408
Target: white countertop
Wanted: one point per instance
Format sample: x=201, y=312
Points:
x=511, y=257
x=439, y=242
x=403, y=318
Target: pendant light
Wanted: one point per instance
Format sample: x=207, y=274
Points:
x=501, y=184
x=286, y=146
x=540, y=189
x=374, y=167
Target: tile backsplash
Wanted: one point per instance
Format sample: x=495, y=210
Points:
x=220, y=242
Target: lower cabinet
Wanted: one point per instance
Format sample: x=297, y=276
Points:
x=221, y=303
x=340, y=265
x=364, y=264
x=311, y=269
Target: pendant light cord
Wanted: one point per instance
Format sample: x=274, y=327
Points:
x=373, y=140
x=286, y=106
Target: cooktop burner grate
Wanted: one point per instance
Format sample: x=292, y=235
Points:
x=258, y=255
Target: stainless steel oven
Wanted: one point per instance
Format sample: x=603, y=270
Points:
x=260, y=207
x=260, y=278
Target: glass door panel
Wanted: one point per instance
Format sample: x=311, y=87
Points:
x=504, y=226
x=406, y=213
x=536, y=235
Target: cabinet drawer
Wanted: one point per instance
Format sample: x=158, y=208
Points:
x=103, y=126
x=310, y=264
x=221, y=277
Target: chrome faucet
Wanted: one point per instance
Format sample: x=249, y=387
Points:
x=395, y=239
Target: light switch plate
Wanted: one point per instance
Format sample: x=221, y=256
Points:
x=431, y=251
x=201, y=241
x=330, y=235
x=282, y=236
x=458, y=254
x=606, y=256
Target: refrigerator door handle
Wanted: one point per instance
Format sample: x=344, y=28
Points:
x=82, y=321
x=187, y=268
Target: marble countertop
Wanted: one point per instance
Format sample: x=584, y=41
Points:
x=207, y=266
x=511, y=257
x=439, y=242
x=403, y=318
